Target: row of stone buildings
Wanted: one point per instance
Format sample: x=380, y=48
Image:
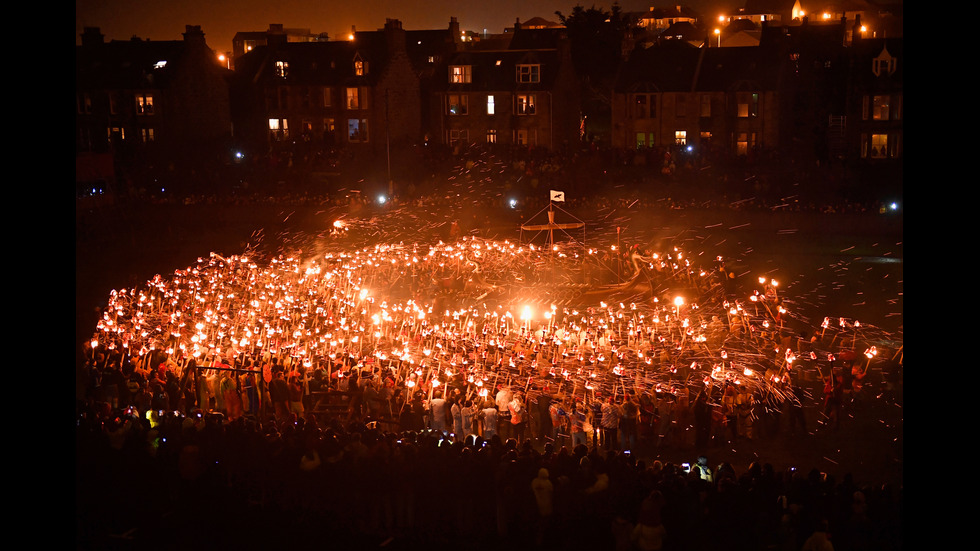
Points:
x=809, y=90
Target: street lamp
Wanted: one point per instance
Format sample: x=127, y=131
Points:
x=718, y=34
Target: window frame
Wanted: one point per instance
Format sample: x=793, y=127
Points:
x=880, y=107
x=281, y=68
x=144, y=105
x=460, y=74
x=360, y=122
x=462, y=102
x=526, y=105
x=280, y=131
x=528, y=73
x=458, y=136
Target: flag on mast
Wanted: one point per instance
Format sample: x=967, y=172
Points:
x=558, y=196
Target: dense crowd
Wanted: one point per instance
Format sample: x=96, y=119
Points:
x=354, y=455
x=200, y=480
x=232, y=442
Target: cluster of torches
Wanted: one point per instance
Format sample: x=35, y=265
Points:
x=361, y=309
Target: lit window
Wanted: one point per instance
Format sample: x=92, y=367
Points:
x=680, y=137
x=357, y=130
x=457, y=104
x=491, y=136
x=879, y=146
x=327, y=97
x=117, y=134
x=146, y=135
x=144, y=105
x=525, y=104
x=353, y=99
x=360, y=67
x=879, y=111
x=641, y=140
x=520, y=137
x=278, y=129
x=460, y=74
x=742, y=144
x=490, y=106
x=282, y=69
x=748, y=105
x=528, y=73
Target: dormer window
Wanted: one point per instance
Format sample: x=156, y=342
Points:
x=282, y=69
x=460, y=74
x=528, y=73
x=360, y=66
x=884, y=64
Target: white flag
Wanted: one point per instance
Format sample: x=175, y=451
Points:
x=558, y=196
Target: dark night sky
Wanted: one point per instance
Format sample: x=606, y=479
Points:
x=221, y=19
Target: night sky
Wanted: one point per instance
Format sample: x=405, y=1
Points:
x=221, y=19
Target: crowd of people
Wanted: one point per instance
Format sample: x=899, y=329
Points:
x=355, y=451
x=500, y=474
x=236, y=403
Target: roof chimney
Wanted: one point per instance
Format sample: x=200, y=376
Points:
x=276, y=35
x=395, y=35
x=92, y=36
x=193, y=34
x=454, y=30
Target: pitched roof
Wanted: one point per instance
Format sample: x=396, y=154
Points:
x=540, y=22
x=665, y=67
x=676, y=66
x=497, y=69
x=738, y=68
x=332, y=63
x=122, y=64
